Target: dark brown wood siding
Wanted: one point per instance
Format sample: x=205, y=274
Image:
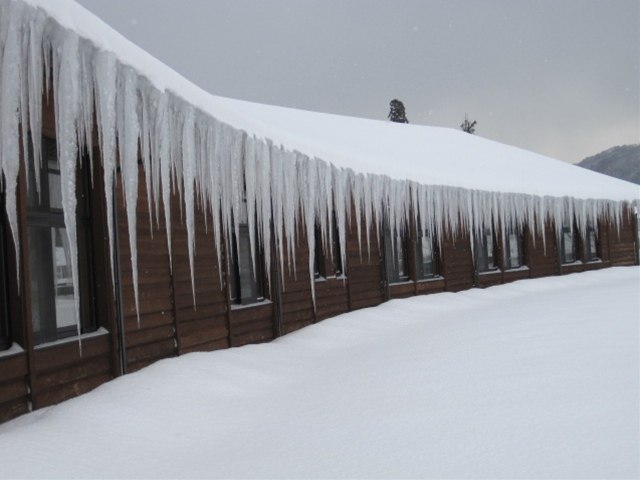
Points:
x=297, y=305
x=622, y=242
x=457, y=262
x=541, y=252
x=365, y=270
x=14, y=386
x=61, y=371
x=202, y=326
x=150, y=335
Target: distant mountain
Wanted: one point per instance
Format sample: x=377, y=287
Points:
x=621, y=162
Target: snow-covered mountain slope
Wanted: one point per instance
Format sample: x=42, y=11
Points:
x=535, y=379
x=622, y=161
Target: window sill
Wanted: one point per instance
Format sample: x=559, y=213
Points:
x=490, y=272
x=14, y=349
x=85, y=336
x=523, y=268
x=595, y=260
x=266, y=301
x=334, y=277
x=437, y=278
x=571, y=264
x=402, y=282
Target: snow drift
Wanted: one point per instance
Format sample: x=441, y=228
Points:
x=534, y=379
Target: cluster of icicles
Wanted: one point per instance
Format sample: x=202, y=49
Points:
x=210, y=164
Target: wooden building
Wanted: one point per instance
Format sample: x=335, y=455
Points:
x=211, y=252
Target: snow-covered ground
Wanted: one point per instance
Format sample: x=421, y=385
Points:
x=538, y=378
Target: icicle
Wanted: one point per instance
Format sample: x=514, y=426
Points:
x=35, y=83
x=163, y=152
x=127, y=127
x=145, y=147
x=66, y=68
x=86, y=104
x=105, y=91
x=188, y=155
x=263, y=162
x=251, y=192
x=308, y=185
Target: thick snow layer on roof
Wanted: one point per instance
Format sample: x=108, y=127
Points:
x=427, y=155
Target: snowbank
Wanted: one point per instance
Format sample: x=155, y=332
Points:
x=535, y=379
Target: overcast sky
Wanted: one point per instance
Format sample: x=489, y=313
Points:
x=559, y=77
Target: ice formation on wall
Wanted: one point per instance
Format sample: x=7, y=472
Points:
x=212, y=165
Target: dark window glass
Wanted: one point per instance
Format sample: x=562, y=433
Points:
x=485, y=251
x=569, y=244
x=328, y=265
x=592, y=246
x=397, y=255
x=5, y=334
x=514, y=250
x=51, y=285
x=246, y=284
x=427, y=255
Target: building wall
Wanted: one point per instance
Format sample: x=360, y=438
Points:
x=168, y=323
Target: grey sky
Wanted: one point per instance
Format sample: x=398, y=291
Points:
x=559, y=77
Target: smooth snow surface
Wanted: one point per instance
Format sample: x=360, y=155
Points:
x=535, y=379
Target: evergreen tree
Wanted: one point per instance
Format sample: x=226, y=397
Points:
x=396, y=112
x=467, y=126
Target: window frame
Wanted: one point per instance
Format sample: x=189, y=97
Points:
x=590, y=256
x=435, y=255
x=41, y=215
x=509, y=233
x=5, y=325
x=328, y=266
x=483, y=264
x=238, y=282
x=570, y=230
x=395, y=251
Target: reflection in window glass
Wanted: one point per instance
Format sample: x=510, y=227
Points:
x=592, y=247
x=485, y=251
x=52, y=296
x=245, y=284
x=569, y=245
x=52, y=299
x=514, y=252
x=328, y=264
x=397, y=256
x=427, y=256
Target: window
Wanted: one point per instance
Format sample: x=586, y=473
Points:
x=5, y=333
x=51, y=285
x=514, y=249
x=396, y=250
x=328, y=266
x=246, y=285
x=485, y=251
x=592, y=245
x=427, y=255
x=569, y=247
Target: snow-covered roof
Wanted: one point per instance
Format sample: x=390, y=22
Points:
x=427, y=155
